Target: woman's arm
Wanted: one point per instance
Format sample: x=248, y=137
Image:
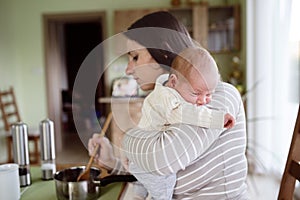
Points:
x=105, y=157
x=165, y=152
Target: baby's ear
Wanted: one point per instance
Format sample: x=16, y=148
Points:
x=173, y=79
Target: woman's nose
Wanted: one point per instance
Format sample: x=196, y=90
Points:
x=129, y=69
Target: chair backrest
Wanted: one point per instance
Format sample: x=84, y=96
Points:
x=9, y=109
x=292, y=167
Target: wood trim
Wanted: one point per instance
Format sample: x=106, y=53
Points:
x=295, y=169
x=288, y=180
x=200, y=23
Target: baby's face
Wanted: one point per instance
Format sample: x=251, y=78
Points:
x=195, y=92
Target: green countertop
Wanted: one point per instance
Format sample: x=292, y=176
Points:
x=45, y=190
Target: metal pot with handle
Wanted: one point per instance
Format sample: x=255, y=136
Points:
x=67, y=186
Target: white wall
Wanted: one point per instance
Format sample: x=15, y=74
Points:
x=22, y=63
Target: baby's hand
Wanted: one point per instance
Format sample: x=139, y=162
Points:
x=229, y=121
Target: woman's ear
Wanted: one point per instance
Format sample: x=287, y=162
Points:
x=173, y=80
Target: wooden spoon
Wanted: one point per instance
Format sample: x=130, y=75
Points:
x=86, y=174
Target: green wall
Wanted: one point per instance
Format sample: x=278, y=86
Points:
x=22, y=62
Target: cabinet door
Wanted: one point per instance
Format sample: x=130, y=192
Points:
x=200, y=24
x=216, y=28
x=224, y=28
x=195, y=20
x=124, y=18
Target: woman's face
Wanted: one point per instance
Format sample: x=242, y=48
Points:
x=142, y=66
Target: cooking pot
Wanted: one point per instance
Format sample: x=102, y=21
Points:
x=67, y=186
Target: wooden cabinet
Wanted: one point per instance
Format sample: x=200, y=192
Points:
x=195, y=18
x=124, y=18
x=224, y=34
x=217, y=28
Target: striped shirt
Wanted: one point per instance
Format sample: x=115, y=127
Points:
x=210, y=163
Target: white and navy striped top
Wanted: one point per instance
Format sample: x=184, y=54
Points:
x=210, y=163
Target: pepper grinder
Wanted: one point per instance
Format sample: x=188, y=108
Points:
x=21, y=152
x=47, y=149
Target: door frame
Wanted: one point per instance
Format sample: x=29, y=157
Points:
x=54, y=54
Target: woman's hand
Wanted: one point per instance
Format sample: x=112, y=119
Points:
x=105, y=157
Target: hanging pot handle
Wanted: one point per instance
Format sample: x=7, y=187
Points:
x=113, y=179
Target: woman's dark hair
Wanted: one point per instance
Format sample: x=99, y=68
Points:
x=162, y=34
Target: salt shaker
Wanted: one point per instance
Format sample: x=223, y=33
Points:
x=47, y=149
x=21, y=152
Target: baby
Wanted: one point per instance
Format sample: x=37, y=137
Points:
x=181, y=99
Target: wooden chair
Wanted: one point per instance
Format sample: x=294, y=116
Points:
x=10, y=115
x=292, y=168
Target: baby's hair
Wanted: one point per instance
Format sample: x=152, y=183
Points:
x=199, y=59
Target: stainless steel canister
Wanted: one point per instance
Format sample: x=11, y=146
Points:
x=47, y=149
x=21, y=152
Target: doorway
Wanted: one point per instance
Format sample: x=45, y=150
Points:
x=69, y=38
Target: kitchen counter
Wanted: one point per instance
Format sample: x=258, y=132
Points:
x=42, y=189
x=121, y=100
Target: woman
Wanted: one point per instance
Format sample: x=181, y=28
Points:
x=210, y=163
